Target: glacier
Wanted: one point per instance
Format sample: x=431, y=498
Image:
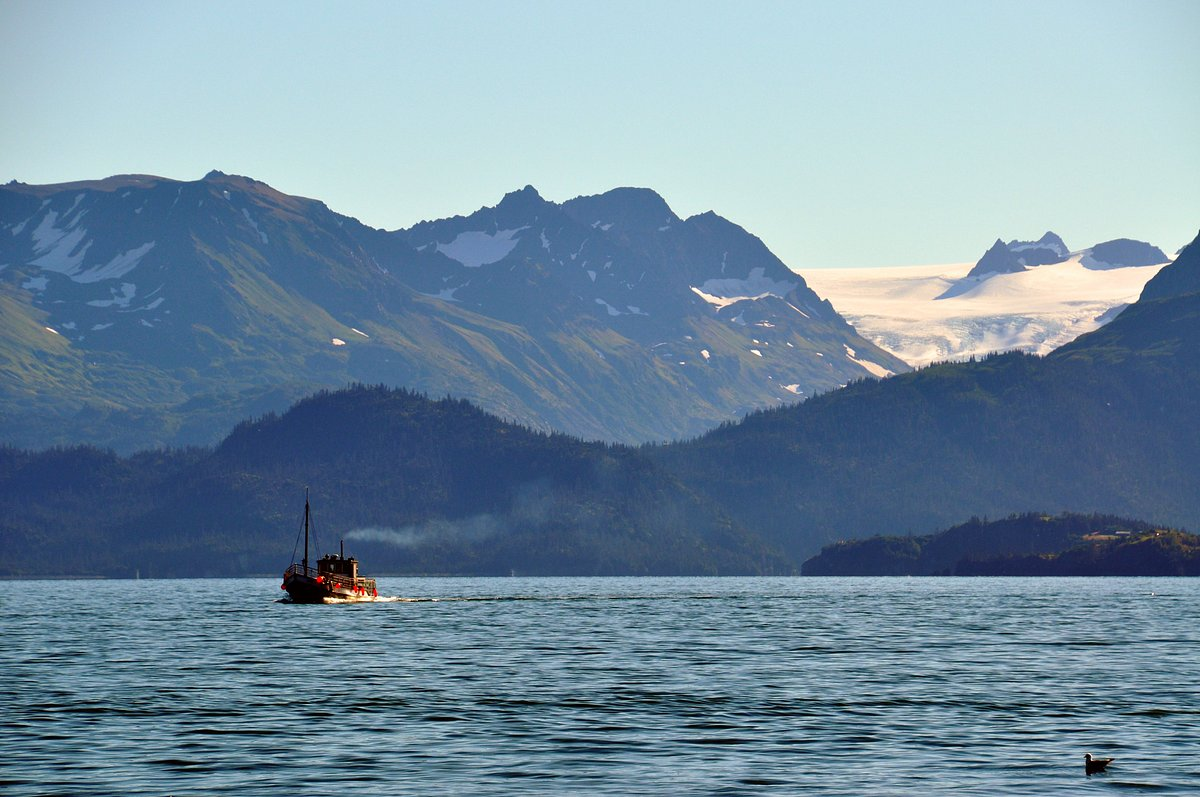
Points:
x=1036, y=310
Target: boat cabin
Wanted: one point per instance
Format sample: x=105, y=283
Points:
x=337, y=565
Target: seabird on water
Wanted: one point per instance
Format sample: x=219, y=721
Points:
x=1093, y=765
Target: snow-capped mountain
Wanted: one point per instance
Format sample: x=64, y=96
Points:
x=998, y=259
x=141, y=311
x=1017, y=256
x=926, y=314
x=1050, y=248
x=1010, y=258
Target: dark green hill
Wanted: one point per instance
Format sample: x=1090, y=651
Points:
x=413, y=485
x=1183, y=277
x=957, y=550
x=1161, y=552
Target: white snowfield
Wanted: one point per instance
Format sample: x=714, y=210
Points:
x=61, y=246
x=475, y=249
x=724, y=292
x=1036, y=310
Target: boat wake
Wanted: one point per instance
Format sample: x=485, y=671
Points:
x=372, y=599
x=381, y=599
x=501, y=598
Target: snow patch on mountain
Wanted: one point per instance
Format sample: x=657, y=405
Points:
x=56, y=246
x=875, y=369
x=445, y=294
x=121, y=297
x=254, y=224
x=116, y=268
x=74, y=206
x=721, y=293
x=1048, y=249
x=62, y=250
x=474, y=249
x=1036, y=310
x=613, y=311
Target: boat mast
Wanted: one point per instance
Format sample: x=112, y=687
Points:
x=306, y=531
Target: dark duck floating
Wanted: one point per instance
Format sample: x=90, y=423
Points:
x=335, y=579
x=1094, y=765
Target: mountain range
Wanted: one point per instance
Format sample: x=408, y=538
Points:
x=139, y=311
x=1105, y=424
x=1016, y=256
x=1031, y=296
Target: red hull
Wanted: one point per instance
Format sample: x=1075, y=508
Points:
x=307, y=589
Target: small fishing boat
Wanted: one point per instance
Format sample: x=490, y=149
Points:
x=335, y=579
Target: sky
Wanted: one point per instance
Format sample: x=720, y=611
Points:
x=840, y=133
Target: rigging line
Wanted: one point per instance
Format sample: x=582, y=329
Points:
x=296, y=546
x=312, y=530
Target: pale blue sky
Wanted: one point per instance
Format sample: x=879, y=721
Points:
x=841, y=133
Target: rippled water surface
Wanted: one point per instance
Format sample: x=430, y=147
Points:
x=602, y=687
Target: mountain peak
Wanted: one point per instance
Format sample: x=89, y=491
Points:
x=1053, y=239
x=1048, y=249
x=525, y=199
x=528, y=192
x=1122, y=253
x=629, y=209
x=999, y=259
x=217, y=176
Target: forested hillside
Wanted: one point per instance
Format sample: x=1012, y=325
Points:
x=413, y=485
x=1163, y=552
x=974, y=546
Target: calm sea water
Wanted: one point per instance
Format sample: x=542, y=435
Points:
x=602, y=687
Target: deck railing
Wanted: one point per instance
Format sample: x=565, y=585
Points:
x=335, y=578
